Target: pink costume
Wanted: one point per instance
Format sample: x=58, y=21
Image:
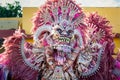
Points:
x=68, y=45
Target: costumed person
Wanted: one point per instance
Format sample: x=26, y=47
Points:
x=68, y=45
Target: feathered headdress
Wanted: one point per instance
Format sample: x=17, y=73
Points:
x=56, y=11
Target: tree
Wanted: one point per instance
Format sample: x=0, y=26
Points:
x=11, y=10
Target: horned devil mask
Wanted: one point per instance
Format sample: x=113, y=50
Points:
x=68, y=45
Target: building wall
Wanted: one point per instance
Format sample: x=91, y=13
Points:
x=111, y=13
x=28, y=13
x=17, y=19
x=117, y=44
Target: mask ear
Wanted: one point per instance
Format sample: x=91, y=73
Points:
x=79, y=38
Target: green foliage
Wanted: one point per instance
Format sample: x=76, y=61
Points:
x=11, y=10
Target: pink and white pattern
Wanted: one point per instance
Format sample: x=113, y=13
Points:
x=68, y=45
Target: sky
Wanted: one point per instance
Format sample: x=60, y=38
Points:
x=84, y=3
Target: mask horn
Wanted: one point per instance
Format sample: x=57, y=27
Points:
x=41, y=29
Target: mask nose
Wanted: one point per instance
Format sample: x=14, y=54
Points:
x=64, y=33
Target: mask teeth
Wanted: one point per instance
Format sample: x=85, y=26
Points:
x=64, y=39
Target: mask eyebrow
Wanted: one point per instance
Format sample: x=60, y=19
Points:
x=59, y=27
x=69, y=28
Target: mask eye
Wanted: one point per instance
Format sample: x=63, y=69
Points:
x=70, y=32
x=59, y=30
